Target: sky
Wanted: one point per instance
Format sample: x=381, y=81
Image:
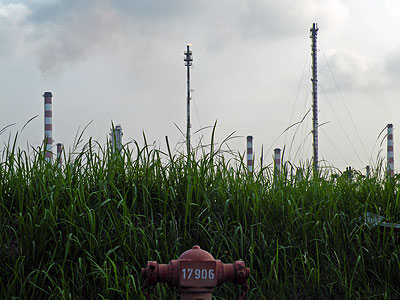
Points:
x=121, y=62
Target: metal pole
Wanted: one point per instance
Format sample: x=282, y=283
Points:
x=188, y=63
x=48, y=125
x=390, y=153
x=314, y=80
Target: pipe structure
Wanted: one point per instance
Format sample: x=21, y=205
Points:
x=250, y=162
x=368, y=171
x=116, y=138
x=59, y=153
x=48, y=125
x=349, y=173
x=277, y=161
x=299, y=174
x=390, y=153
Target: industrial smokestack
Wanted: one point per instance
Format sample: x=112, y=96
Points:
x=250, y=162
x=116, y=138
x=277, y=161
x=390, y=153
x=48, y=125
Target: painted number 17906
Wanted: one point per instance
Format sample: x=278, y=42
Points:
x=198, y=273
x=205, y=274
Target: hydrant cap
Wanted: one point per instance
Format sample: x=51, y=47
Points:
x=196, y=254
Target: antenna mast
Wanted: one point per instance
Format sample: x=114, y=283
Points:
x=314, y=79
x=188, y=63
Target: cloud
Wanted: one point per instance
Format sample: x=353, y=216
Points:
x=286, y=18
x=349, y=69
x=353, y=71
x=77, y=37
x=54, y=10
x=69, y=32
x=65, y=33
x=392, y=64
x=330, y=13
x=13, y=30
x=14, y=13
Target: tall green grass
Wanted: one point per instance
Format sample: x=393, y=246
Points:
x=84, y=230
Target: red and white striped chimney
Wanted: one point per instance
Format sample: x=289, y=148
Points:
x=390, y=153
x=277, y=160
x=48, y=125
x=250, y=162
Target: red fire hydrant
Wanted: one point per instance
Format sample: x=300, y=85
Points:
x=196, y=273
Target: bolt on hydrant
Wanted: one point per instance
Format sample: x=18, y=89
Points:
x=196, y=273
